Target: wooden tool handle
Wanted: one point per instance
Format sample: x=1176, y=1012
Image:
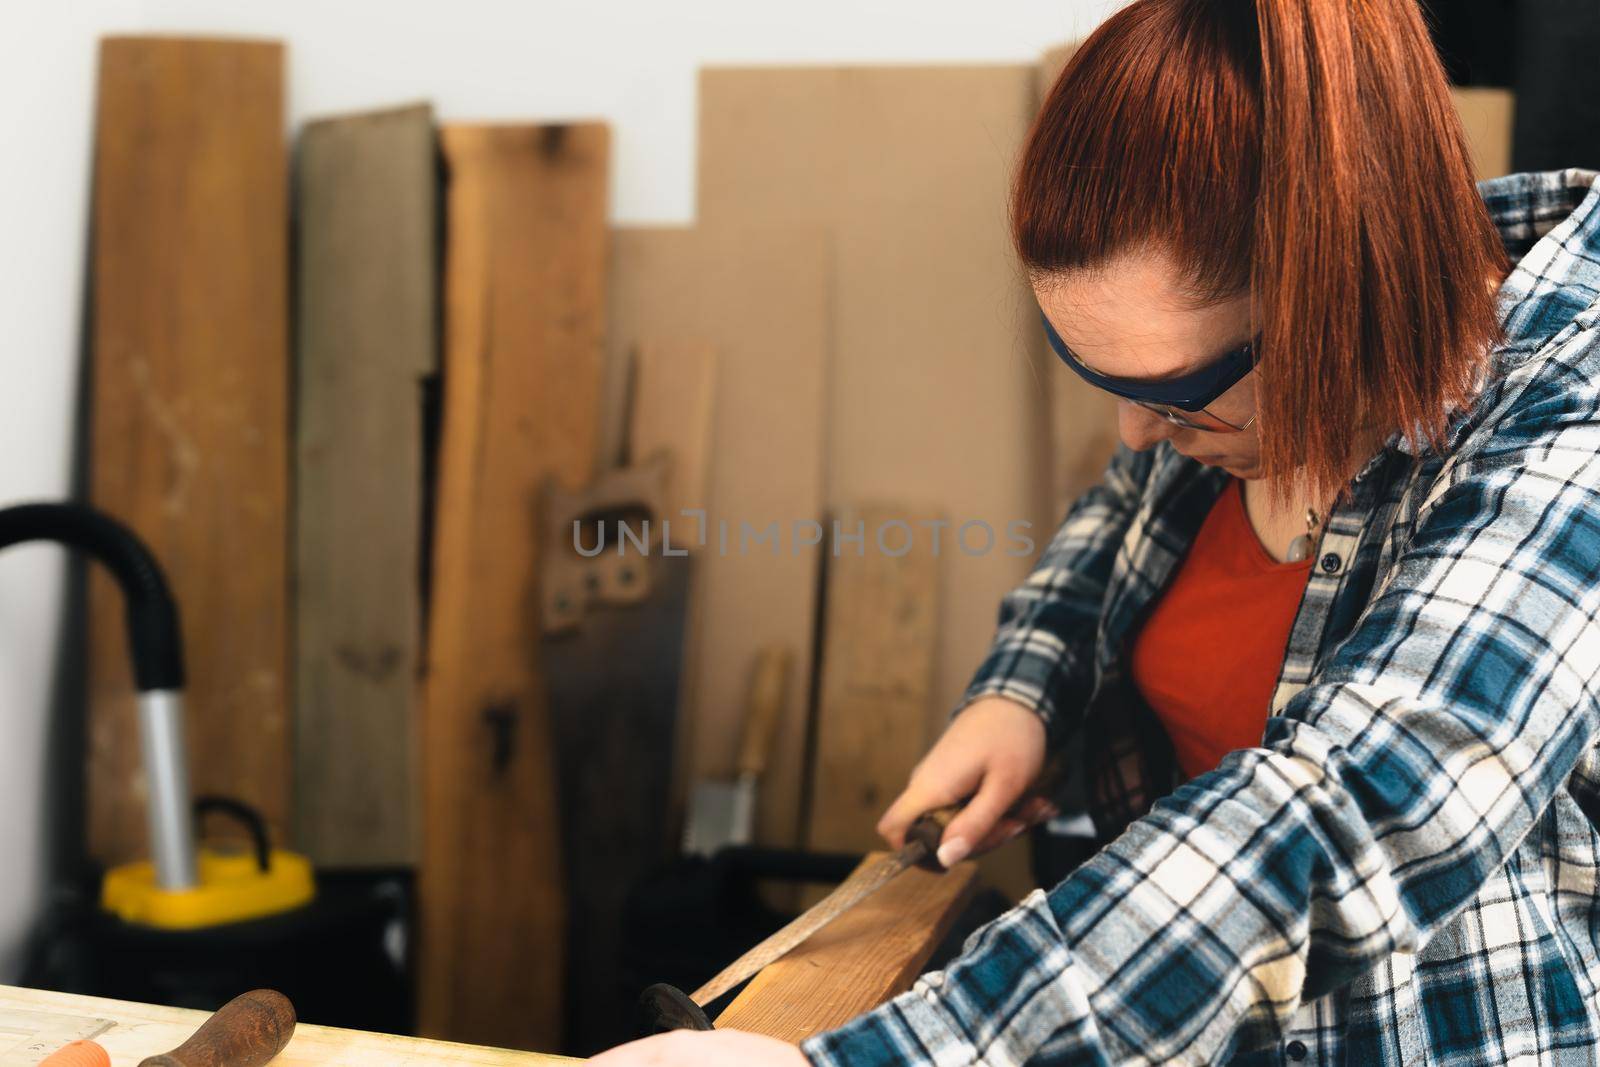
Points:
x=768, y=683
x=247, y=1031
x=926, y=831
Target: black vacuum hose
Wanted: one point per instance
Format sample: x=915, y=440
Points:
x=153, y=634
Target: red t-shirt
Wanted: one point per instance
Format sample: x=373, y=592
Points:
x=1208, y=655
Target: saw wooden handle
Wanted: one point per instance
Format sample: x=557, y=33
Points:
x=247, y=1031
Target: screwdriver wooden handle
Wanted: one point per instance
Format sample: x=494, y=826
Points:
x=247, y=1031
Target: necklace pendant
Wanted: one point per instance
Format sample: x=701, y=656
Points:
x=1300, y=548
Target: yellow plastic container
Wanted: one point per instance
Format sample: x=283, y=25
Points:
x=232, y=888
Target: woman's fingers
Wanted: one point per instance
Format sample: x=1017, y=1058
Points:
x=917, y=799
x=1027, y=814
x=973, y=823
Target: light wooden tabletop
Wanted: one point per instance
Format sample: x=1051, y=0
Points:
x=34, y=1023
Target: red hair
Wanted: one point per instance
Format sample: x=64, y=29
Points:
x=1306, y=152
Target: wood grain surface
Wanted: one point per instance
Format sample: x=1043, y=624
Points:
x=189, y=429
x=141, y=1030
x=366, y=219
x=523, y=313
x=864, y=957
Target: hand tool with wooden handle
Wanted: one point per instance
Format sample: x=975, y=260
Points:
x=248, y=1031
x=723, y=813
x=672, y=1009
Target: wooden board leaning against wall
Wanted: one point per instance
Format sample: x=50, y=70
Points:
x=523, y=319
x=190, y=410
x=879, y=635
x=757, y=296
x=935, y=390
x=366, y=338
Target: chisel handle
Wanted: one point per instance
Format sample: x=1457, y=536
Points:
x=247, y=1031
x=924, y=834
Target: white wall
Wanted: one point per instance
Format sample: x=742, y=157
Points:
x=631, y=62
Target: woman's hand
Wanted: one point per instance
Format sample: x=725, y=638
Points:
x=715, y=1048
x=991, y=751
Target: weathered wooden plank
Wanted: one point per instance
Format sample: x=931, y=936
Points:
x=142, y=1030
x=757, y=296
x=189, y=431
x=880, y=634
x=524, y=311
x=366, y=208
x=864, y=957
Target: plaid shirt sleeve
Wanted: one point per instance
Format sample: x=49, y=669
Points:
x=1385, y=794
x=1042, y=655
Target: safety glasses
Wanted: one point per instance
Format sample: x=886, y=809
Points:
x=1182, y=400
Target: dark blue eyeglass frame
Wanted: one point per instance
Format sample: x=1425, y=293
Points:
x=1191, y=392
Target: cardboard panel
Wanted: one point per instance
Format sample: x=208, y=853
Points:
x=366, y=337
x=189, y=431
x=758, y=296
x=523, y=313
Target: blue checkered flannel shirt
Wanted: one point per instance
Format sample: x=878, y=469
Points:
x=1406, y=871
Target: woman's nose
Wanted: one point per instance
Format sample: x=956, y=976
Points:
x=1141, y=428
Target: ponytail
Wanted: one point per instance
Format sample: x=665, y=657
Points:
x=1372, y=248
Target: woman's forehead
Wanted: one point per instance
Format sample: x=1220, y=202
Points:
x=1133, y=318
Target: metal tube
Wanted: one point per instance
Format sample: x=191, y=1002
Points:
x=166, y=768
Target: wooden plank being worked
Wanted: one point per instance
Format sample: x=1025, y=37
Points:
x=881, y=618
x=189, y=431
x=524, y=284
x=864, y=957
x=139, y=1031
x=367, y=278
x=758, y=296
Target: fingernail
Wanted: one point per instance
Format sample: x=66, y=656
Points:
x=953, y=852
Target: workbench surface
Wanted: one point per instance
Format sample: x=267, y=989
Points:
x=130, y=1032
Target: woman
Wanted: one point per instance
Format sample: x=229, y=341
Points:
x=1326, y=633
